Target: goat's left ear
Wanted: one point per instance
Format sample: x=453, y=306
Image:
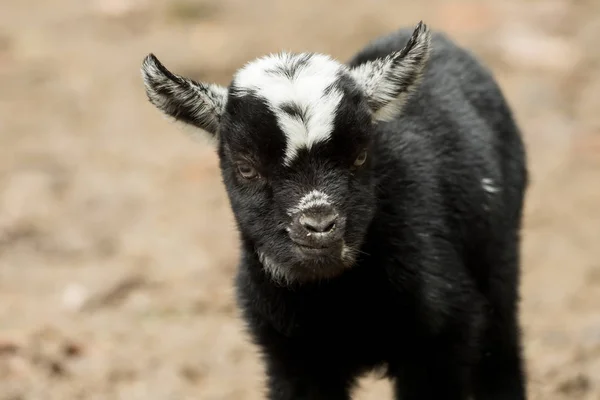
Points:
x=387, y=82
x=193, y=103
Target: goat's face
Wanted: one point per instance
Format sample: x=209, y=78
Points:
x=294, y=135
x=297, y=169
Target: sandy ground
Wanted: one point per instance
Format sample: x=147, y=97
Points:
x=117, y=247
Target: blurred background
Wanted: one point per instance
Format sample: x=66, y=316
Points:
x=117, y=246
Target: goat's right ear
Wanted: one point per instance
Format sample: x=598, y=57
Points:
x=387, y=82
x=193, y=103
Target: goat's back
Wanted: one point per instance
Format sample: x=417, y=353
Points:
x=455, y=153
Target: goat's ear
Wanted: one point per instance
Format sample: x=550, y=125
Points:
x=196, y=104
x=387, y=82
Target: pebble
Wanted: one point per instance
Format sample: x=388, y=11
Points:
x=117, y=8
x=74, y=297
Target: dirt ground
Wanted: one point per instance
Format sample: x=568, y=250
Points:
x=117, y=247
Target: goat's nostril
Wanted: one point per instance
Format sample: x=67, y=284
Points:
x=318, y=223
x=329, y=227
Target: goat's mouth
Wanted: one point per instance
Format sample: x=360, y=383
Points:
x=309, y=263
x=330, y=250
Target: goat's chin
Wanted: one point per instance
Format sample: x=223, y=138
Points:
x=300, y=267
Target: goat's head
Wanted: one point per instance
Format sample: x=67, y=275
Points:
x=294, y=134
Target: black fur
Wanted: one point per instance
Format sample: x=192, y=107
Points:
x=430, y=286
x=434, y=292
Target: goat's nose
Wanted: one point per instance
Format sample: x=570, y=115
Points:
x=318, y=228
x=322, y=221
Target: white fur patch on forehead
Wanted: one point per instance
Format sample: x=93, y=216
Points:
x=300, y=82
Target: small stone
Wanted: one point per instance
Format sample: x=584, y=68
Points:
x=575, y=386
x=75, y=296
x=72, y=350
x=117, y=8
x=8, y=347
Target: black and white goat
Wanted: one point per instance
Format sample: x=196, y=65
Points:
x=379, y=206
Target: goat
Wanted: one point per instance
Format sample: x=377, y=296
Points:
x=379, y=207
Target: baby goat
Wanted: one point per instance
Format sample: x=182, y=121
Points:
x=379, y=206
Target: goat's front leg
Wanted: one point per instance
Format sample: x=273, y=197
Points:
x=438, y=359
x=295, y=376
x=436, y=372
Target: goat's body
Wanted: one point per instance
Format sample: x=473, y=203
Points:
x=434, y=294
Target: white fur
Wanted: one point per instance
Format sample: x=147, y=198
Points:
x=384, y=80
x=312, y=199
x=372, y=77
x=277, y=272
x=386, y=83
x=306, y=90
x=206, y=101
x=348, y=255
x=488, y=185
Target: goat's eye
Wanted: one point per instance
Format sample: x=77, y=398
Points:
x=361, y=159
x=247, y=171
